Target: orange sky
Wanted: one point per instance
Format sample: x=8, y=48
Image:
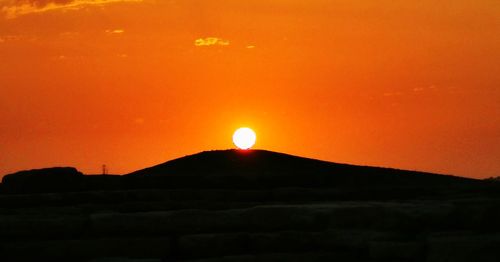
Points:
x=131, y=83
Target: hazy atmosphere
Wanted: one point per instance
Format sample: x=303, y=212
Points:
x=130, y=83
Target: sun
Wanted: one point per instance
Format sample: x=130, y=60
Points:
x=244, y=138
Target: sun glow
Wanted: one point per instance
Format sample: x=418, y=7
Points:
x=244, y=138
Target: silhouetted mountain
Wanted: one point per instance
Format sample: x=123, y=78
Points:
x=260, y=168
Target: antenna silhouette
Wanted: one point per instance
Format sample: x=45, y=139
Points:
x=104, y=170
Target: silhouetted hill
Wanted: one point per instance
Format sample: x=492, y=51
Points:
x=43, y=180
x=262, y=168
x=252, y=169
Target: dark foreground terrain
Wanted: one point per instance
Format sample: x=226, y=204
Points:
x=248, y=206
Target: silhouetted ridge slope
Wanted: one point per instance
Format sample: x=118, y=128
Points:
x=270, y=169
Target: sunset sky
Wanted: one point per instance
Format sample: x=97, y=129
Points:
x=132, y=83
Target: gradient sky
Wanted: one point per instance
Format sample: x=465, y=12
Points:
x=131, y=83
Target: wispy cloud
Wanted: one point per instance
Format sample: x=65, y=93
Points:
x=115, y=31
x=393, y=93
x=15, y=8
x=210, y=41
x=14, y=38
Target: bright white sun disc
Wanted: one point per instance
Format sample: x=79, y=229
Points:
x=244, y=138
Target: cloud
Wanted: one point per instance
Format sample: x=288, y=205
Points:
x=42, y=3
x=14, y=8
x=393, y=94
x=210, y=41
x=12, y=38
x=115, y=31
x=425, y=89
